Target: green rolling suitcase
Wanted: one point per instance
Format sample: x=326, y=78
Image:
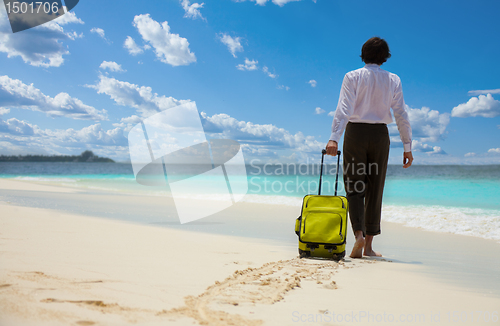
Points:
x=322, y=224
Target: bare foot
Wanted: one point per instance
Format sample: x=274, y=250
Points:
x=370, y=252
x=357, y=250
x=368, y=247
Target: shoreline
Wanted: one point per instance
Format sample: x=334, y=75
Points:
x=455, y=219
x=60, y=268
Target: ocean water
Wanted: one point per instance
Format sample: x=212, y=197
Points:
x=455, y=199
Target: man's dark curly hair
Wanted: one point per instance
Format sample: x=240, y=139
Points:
x=375, y=50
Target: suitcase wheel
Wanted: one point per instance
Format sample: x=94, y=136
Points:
x=304, y=254
x=312, y=246
x=339, y=256
x=330, y=248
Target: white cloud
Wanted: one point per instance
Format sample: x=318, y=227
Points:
x=471, y=154
x=15, y=94
x=169, y=48
x=429, y=125
x=280, y=3
x=233, y=43
x=128, y=123
x=313, y=83
x=485, y=91
x=192, y=10
x=418, y=146
x=484, y=106
x=21, y=137
x=131, y=46
x=100, y=32
x=258, y=137
x=112, y=66
x=40, y=46
x=132, y=119
x=494, y=150
x=267, y=72
x=283, y=87
x=139, y=97
x=331, y=113
x=319, y=110
x=252, y=65
x=16, y=127
x=426, y=124
x=4, y=111
x=91, y=135
x=68, y=18
x=255, y=150
x=249, y=65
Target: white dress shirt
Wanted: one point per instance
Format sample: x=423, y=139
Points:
x=367, y=95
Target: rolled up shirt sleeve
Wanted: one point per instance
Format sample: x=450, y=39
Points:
x=345, y=108
x=399, y=109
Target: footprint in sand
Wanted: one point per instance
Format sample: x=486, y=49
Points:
x=85, y=322
x=265, y=285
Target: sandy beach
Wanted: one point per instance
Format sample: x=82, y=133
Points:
x=59, y=267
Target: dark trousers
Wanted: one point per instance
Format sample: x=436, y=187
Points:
x=366, y=152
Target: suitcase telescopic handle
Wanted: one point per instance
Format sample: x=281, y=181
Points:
x=323, y=152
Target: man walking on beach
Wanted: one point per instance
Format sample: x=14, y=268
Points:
x=363, y=110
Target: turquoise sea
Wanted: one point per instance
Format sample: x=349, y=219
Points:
x=445, y=198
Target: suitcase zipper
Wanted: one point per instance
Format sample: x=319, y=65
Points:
x=307, y=202
x=340, y=232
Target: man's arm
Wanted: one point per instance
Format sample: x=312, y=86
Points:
x=344, y=110
x=403, y=123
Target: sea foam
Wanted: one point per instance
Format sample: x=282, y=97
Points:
x=477, y=222
x=483, y=223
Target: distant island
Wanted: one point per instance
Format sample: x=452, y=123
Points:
x=87, y=157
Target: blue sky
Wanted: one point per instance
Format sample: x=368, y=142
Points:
x=265, y=73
